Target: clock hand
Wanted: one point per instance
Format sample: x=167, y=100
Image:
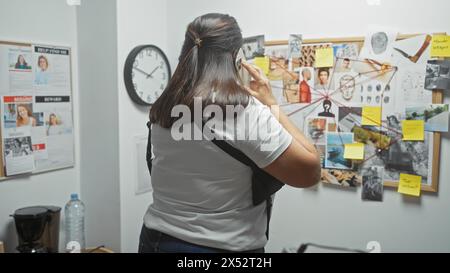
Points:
x=150, y=75
x=143, y=72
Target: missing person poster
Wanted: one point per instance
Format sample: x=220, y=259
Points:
x=55, y=136
x=16, y=68
x=17, y=124
x=52, y=70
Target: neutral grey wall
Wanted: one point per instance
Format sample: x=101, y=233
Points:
x=329, y=215
x=139, y=22
x=99, y=133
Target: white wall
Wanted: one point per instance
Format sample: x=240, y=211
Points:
x=47, y=22
x=329, y=215
x=139, y=22
x=99, y=119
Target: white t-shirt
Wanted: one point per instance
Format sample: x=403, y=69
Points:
x=202, y=195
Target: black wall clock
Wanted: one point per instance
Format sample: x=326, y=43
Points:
x=146, y=74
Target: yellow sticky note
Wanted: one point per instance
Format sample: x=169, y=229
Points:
x=440, y=46
x=410, y=184
x=263, y=63
x=371, y=115
x=413, y=130
x=324, y=57
x=354, y=151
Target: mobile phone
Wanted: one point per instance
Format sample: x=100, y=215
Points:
x=243, y=74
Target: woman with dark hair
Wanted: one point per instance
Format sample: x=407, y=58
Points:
x=21, y=63
x=202, y=197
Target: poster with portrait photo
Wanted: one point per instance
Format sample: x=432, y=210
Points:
x=51, y=71
x=378, y=44
x=21, y=119
x=17, y=114
x=20, y=69
x=15, y=68
x=18, y=155
x=253, y=47
x=372, y=183
x=57, y=132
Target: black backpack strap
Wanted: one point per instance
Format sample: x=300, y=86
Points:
x=149, y=148
x=233, y=152
x=241, y=157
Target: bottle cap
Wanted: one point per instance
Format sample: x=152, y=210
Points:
x=74, y=196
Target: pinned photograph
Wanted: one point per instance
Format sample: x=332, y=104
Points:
x=436, y=116
x=335, y=151
x=10, y=116
x=306, y=79
x=39, y=118
x=295, y=46
x=437, y=75
x=322, y=79
x=308, y=55
x=342, y=178
x=373, y=136
x=279, y=64
x=18, y=147
x=20, y=60
x=316, y=129
x=349, y=117
x=291, y=91
x=350, y=51
x=378, y=44
x=372, y=183
x=253, y=47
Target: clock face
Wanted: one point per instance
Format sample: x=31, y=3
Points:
x=146, y=74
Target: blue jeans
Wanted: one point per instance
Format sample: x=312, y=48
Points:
x=153, y=241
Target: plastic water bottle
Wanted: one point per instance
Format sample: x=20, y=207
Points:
x=74, y=223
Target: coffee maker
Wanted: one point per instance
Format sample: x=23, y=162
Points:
x=37, y=229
